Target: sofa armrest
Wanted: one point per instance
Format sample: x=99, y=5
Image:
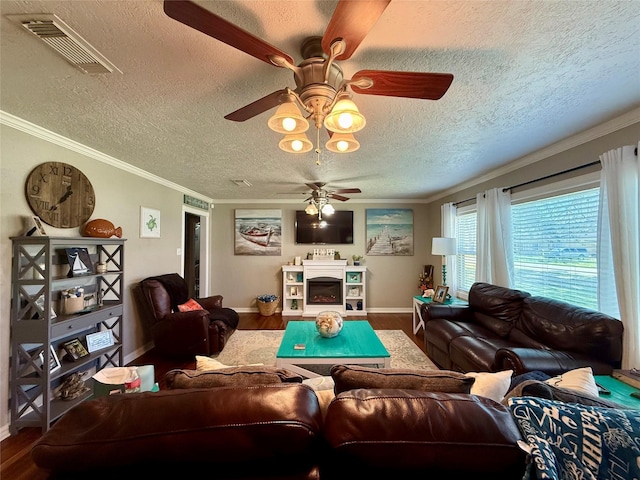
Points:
x=210, y=303
x=182, y=333
x=432, y=311
x=552, y=362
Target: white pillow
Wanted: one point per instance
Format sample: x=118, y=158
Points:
x=204, y=364
x=579, y=380
x=491, y=385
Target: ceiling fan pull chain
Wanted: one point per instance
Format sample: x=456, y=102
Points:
x=318, y=146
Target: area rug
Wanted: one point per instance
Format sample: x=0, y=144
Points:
x=260, y=346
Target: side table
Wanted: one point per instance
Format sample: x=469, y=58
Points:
x=418, y=300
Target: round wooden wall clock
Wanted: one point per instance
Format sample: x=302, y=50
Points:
x=60, y=194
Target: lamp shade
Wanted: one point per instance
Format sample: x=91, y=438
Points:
x=443, y=246
x=328, y=209
x=296, y=143
x=343, y=143
x=288, y=120
x=344, y=117
x=311, y=209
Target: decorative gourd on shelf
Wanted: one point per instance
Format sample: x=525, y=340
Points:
x=101, y=228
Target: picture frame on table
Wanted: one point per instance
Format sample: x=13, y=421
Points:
x=54, y=362
x=75, y=349
x=440, y=294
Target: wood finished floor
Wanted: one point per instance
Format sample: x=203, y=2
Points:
x=15, y=458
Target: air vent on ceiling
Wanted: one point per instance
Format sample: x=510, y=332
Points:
x=68, y=43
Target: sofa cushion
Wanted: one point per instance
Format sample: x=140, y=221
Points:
x=348, y=377
x=578, y=441
x=232, y=376
x=563, y=326
x=476, y=354
x=497, y=308
x=231, y=429
x=410, y=431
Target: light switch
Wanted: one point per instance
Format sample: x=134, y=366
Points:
x=178, y=251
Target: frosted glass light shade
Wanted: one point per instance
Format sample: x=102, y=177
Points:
x=443, y=246
x=311, y=209
x=296, y=143
x=342, y=143
x=288, y=120
x=328, y=209
x=345, y=117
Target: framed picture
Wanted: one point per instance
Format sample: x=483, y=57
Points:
x=36, y=228
x=440, y=294
x=354, y=277
x=98, y=340
x=389, y=231
x=54, y=363
x=79, y=261
x=75, y=349
x=354, y=292
x=149, y=223
x=258, y=231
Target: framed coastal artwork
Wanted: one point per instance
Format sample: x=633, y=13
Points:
x=149, y=223
x=258, y=231
x=389, y=231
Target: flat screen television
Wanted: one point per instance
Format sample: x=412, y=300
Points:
x=332, y=229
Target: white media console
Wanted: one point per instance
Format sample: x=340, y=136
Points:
x=319, y=285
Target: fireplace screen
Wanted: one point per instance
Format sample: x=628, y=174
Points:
x=324, y=291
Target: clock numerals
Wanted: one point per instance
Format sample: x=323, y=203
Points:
x=90, y=201
x=35, y=189
x=53, y=216
x=41, y=204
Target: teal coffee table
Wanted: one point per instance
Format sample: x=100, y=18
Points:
x=357, y=344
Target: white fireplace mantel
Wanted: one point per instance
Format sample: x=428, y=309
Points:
x=295, y=287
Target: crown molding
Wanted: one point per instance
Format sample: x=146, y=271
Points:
x=625, y=120
x=51, y=137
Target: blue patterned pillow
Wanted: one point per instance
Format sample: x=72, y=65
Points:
x=570, y=441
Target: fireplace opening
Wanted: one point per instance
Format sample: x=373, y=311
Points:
x=324, y=291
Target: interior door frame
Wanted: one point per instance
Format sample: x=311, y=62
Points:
x=204, y=246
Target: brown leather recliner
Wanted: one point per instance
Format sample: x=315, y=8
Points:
x=184, y=334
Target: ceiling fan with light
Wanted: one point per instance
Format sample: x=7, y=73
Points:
x=319, y=199
x=321, y=89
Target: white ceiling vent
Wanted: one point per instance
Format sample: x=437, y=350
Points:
x=68, y=43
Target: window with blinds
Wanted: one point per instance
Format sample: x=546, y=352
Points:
x=554, y=247
x=466, y=257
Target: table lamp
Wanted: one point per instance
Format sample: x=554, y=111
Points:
x=443, y=246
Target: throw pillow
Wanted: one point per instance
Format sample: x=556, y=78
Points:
x=349, y=377
x=580, y=380
x=204, y=364
x=567, y=440
x=319, y=383
x=493, y=385
x=229, y=377
x=189, y=306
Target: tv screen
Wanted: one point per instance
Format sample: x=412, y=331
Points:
x=332, y=229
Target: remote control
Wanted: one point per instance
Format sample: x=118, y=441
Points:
x=635, y=394
x=299, y=346
x=602, y=390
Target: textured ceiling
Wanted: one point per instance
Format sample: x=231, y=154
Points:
x=527, y=74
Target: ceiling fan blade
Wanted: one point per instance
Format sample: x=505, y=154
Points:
x=337, y=197
x=256, y=108
x=351, y=21
x=429, y=86
x=203, y=20
x=315, y=185
x=347, y=190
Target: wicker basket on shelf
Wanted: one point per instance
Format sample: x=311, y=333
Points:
x=268, y=308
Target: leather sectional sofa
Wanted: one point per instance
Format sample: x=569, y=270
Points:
x=280, y=431
x=506, y=329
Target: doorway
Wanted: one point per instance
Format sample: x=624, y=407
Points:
x=192, y=227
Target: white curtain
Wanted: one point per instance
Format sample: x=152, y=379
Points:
x=619, y=246
x=494, y=241
x=448, y=215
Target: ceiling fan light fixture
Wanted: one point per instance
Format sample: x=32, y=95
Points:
x=311, y=209
x=298, y=143
x=342, y=143
x=328, y=209
x=288, y=120
x=345, y=117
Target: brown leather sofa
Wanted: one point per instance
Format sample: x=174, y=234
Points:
x=507, y=329
x=183, y=334
x=278, y=431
